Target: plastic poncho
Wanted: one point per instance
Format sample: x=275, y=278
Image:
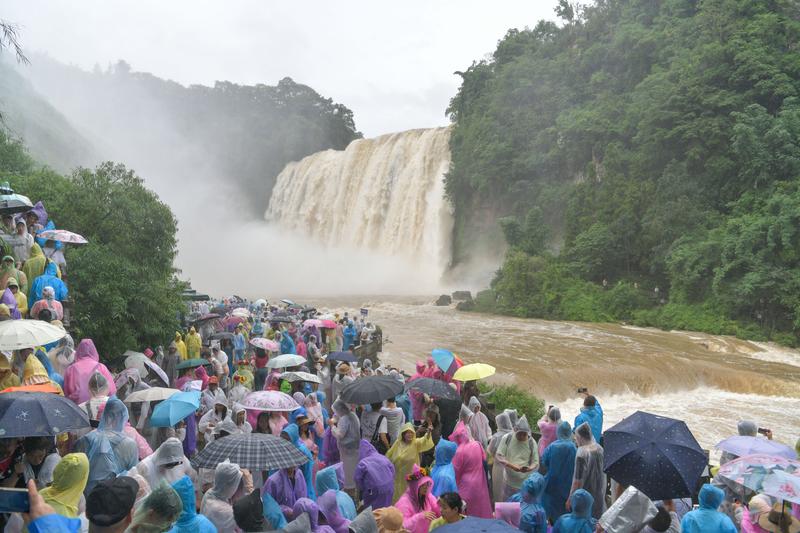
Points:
x=348, y=438
x=592, y=416
x=272, y=511
x=76, y=378
x=304, y=505
x=520, y=453
x=49, y=279
x=9, y=299
x=707, y=519
x=189, y=521
x=404, y=456
x=181, y=346
x=292, y=431
x=34, y=373
x=414, y=519
x=286, y=490
x=327, y=480
x=34, y=266
x=547, y=428
x=69, y=481
x=470, y=475
x=216, y=505
x=243, y=427
x=349, y=335
x=109, y=450
x=478, y=424
x=63, y=354
x=194, y=343
x=211, y=397
x=559, y=460
x=374, y=477
x=246, y=376
x=330, y=508
x=580, y=519
x=211, y=419
x=533, y=518
x=22, y=301
x=417, y=399
x=287, y=344
x=21, y=243
x=443, y=474
x=157, y=511
x=153, y=468
x=589, y=468
x=504, y=427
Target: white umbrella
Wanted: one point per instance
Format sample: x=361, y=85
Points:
x=287, y=301
x=153, y=394
x=19, y=334
x=291, y=377
x=260, y=302
x=286, y=360
x=240, y=312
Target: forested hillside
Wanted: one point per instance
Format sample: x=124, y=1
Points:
x=238, y=133
x=639, y=145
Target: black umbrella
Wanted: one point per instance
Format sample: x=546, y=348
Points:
x=346, y=357
x=11, y=203
x=256, y=451
x=435, y=388
x=657, y=455
x=285, y=319
x=38, y=414
x=371, y=389
x=222, y=335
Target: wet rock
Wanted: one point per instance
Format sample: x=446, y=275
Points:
x=462, y=296
x=444, y=300
x=465, y=306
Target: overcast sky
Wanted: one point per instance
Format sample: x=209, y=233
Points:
x=392, y=63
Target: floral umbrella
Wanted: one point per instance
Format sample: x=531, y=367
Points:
x=265, y=344
x=753, y=471
x=783, y=485
x=62, y=235
x=270, y=400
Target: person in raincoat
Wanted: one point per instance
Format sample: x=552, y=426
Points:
x=63, y=354
x=22, y=300
x=212, y=395
x=291, y=433
x=286, y=486
x=181, y=346
x=374, y=477
x=589, y=473
x=76, y=378
x=34, y=265
x=329, y=507
x=327, y=480
x=35, y=374
x=216, y=504
x=239, y=343
x=347, y=430
x=7, y=377
x=341, y=380
x=157, y=511
x=189, y=521
x=243, y=370
x=559, y=462
x=707, y=519
x=349, y=333
x=592, y=414
x=238, y=391
x=417, y=504
x=533, y=518
x=49, y=279
x=40, y=460
x=240, y=419
x=286, y=342
x=443, y=474
x=417, y=398
x=468, y=464
x=547, y=428
x=211, y=419
x=249, y=514
x=504, y=427
x=194, y=343
x=580, y=519
x=9, y=300
x=518, y=454
x=478, y=423
x=404, y=454
x=9, y=270
x=49, y=303
x=21, y=242
x=167, y=463
x=109, y=450
x=304, y=505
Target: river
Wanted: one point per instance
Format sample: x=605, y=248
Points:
x=709, y=381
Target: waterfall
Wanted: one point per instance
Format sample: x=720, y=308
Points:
x=384, y=194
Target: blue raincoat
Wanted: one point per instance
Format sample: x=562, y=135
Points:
x=294, y=437
x=580, y=519
x=533, y=518
x=287, y=344
x=559, y=460
x=349, y=334
x=327, y=480
x=707, y=519
x=594, y=417
x=443, y=473
x=41, y=241
x=272, y=511
x=189, y=521
x=48, y=279
x=404, y=403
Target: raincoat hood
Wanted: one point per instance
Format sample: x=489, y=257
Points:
x=36, y=251
x=321, y=396
x=420, y=367
x=512, y=414
x=98, y=384
x=86, y=350
x=583, y=434
x=747, y=428
x=459, y=434
x=69, y=479
x=40, y=212
x=51, y=269
x=227, y=476
x=418, y=481
x=710, y=497
x=327, y=480
x=466, y=414
x=34, y=372
x=473, y=403
x=329, y=506
x=564, y=431
x=503, y=422
x=185, y=489
x=341, y=409
x=445, y=450
x=408, y=426
x=533, y=487
x=365, y=449
x=522, y=425
x=304, y=505
x=171, y=451
x=293, y=433
x=582, y=503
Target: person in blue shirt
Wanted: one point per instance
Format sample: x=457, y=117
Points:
x=592, y=414
x=707, y=519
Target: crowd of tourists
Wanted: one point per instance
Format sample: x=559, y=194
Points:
x=433, y=454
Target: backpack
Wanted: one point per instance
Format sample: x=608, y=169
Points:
x=376, y=437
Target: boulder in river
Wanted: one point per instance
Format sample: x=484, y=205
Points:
x=462, y=296
x=443, y=300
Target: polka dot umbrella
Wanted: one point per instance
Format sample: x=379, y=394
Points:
x=657, y=455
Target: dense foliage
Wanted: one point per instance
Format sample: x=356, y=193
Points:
x=125, y=293
x=512, y=397
x=242, y=134
x=643, y=144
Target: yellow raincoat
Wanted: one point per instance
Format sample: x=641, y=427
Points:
x=34, y=373
x=193, y=343
x=247, y=375
x=7, y=377
x=34, y=266
x=182, y=351
x=22, y=300
x=69, y=480
x=404, y=456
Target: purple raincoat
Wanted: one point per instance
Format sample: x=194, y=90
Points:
x=11, y=302
x=190, y=441
x=304, y=505
x=330, y=508
x=286, y=493
x=374, y=477
x=330, y=450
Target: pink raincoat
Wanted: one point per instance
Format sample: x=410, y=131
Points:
x=417, y=400
x=470, y=476
x=414, y=519
x=76, y=378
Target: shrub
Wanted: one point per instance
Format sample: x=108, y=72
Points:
x=513, y=397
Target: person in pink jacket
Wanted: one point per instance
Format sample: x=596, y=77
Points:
x=76, y=378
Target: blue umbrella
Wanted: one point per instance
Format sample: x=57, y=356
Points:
x=347, y=357
x=657, y=455
x=742, y=445
x=175, y=408
x=477, y=525
x=38, y=414
x=443, y=358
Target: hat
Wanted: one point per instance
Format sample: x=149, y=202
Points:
x=213, y=379
x=389, y=519
x=12, y=282
x=343, y=368
x=772, y=520
x=111, y=500
x=8, y=258
x=303, y=419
